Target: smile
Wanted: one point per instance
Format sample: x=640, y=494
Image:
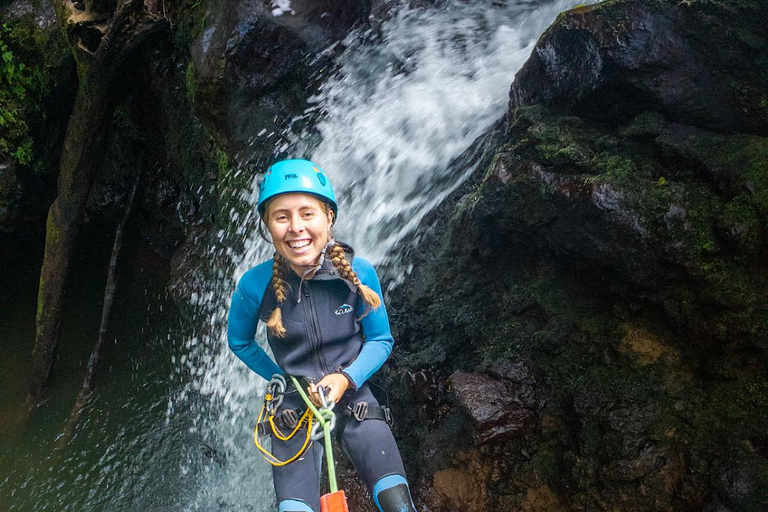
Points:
x=298, y=244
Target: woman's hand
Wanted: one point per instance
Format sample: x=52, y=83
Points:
x=335, y=383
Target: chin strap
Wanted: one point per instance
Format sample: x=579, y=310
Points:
x=318, y=266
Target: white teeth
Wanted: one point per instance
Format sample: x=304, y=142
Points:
x=299, y=244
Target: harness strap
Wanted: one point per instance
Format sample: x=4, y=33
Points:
x=361, y=411
x=287, y=419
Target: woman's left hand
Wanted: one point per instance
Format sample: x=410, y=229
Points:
x=336, y=383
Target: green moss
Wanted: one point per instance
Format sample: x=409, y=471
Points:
x=558, y=155
x=545, y=463
x=742, y=159
x=742, y=400
x=554, y=141
x=189, y=24
x=647, y=123
x=222, y=162
x=697, y=231
x=469, y=200
x=195, y=157
x=741, y=220
x=679, y=211
x=615, y=166
x=191, y=80
x=21, y=89
x=229, y=187
x=729, y=284
x=729, y=412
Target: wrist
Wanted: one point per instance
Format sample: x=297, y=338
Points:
x=350, y=382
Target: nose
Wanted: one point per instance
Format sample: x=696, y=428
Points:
x=296, y=225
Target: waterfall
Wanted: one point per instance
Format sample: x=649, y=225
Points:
x=386, y=127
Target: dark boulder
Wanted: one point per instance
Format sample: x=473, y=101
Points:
x=253, y=63
x=500, y=410
x=698, y=63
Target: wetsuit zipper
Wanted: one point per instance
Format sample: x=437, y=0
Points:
x=314, y=330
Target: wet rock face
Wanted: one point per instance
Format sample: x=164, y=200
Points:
x=620, y=58
x=252, y=61
x=615, y=241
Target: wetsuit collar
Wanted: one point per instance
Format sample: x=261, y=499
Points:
x=325, y=269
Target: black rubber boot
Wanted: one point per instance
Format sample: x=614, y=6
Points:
x=391, y=494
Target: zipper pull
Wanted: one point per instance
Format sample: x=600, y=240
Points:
x=302, y=287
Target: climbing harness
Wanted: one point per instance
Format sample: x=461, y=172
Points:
x=314, y=419
x=288, y=420
x=270, y=421
x=319, y=422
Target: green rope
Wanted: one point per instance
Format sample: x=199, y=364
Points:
x=329, y=458
x=323, y=417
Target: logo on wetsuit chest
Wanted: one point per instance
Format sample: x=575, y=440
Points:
x=343, y=309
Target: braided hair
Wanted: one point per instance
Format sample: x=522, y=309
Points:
x=275, y=322
x=370, y=297
x=342, y=266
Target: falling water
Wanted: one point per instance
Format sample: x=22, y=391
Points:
x=387, y=128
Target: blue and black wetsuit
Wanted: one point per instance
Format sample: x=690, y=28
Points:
x=327, y=331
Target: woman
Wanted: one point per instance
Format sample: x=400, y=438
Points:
x=326, y=323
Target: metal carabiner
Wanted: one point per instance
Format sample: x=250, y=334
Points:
x=274, y=393
x=326, y=411
x=318, y=430
x=324, y=400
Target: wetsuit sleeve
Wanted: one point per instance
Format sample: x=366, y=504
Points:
x=244, y=318
x=378, y=336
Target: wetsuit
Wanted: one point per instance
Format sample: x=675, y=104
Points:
x=324, y=334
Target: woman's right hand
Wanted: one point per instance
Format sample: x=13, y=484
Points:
x=335, y=385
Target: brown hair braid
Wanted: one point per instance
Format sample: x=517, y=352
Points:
x=341, y=264
x=275, y=322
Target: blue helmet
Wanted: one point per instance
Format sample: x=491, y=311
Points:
x=296, y=176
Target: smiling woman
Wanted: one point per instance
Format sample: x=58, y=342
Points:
x=305, y=295
x=300, y=226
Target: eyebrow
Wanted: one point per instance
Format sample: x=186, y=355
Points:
x=305, y=207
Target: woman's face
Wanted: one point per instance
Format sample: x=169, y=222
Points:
x=299, y=225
